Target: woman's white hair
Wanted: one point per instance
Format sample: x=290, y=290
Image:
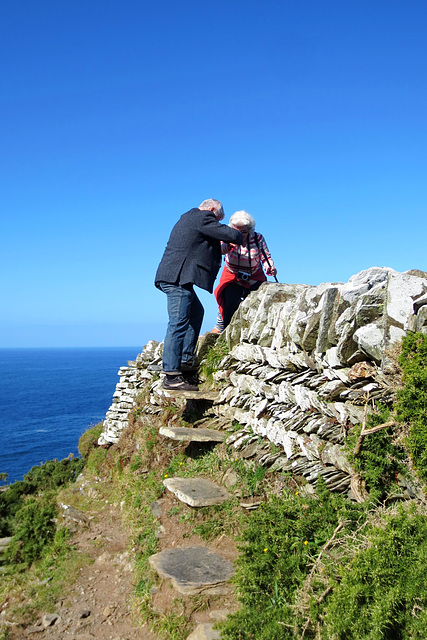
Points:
x=242, y=219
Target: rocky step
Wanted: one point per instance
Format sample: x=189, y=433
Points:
x=197, y=492
x=194, y=570
x=187, y=434
x=189, y=395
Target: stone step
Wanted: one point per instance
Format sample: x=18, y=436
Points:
x=194, y=570
x=190, y=395
x=197, y=492
x=187, y=434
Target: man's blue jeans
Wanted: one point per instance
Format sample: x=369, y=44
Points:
x=185, y=320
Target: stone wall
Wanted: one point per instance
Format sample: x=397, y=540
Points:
x=133, y=379
x=303, y=361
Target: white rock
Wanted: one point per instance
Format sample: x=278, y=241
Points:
x=402, y=289
x=372, y=275
x=331, y=357
x=370, y=339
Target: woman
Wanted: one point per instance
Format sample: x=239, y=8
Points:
x=243, y=270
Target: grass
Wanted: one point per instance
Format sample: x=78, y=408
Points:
x=5, y=633
x=174, y=625
x=211, y=362
x=220, y=520
x=89, y=440
x=95, y=460
x=250, y=476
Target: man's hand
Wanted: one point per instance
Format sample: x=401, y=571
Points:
x=271, y=271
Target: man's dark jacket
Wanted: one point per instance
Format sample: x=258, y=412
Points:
x=193, y=251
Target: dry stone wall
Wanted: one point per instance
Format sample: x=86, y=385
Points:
x=133, y=379
x=303, y=360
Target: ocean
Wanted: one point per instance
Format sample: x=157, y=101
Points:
x=49, y=397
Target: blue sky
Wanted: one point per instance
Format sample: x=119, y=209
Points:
x=119, y=116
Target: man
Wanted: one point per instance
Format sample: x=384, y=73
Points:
x=192, y=257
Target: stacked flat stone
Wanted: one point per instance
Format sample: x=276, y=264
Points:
x=117, y=415
x=133, y=378
x=304, y=360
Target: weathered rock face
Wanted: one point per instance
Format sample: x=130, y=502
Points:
x=302, y=362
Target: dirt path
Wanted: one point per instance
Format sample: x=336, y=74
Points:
x=97, y=605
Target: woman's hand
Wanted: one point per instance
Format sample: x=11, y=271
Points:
x=271, y=271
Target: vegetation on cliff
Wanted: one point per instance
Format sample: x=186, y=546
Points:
x=39, y=560
x=326, y=569
x=28, y=509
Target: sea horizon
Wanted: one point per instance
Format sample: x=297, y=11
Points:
x=73, y=347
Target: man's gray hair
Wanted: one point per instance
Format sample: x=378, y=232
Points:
x=242, y=219
x=208, y=204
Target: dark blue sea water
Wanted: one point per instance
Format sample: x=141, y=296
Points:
x=49, y=397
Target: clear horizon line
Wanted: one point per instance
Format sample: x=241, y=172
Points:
x=77, y=347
